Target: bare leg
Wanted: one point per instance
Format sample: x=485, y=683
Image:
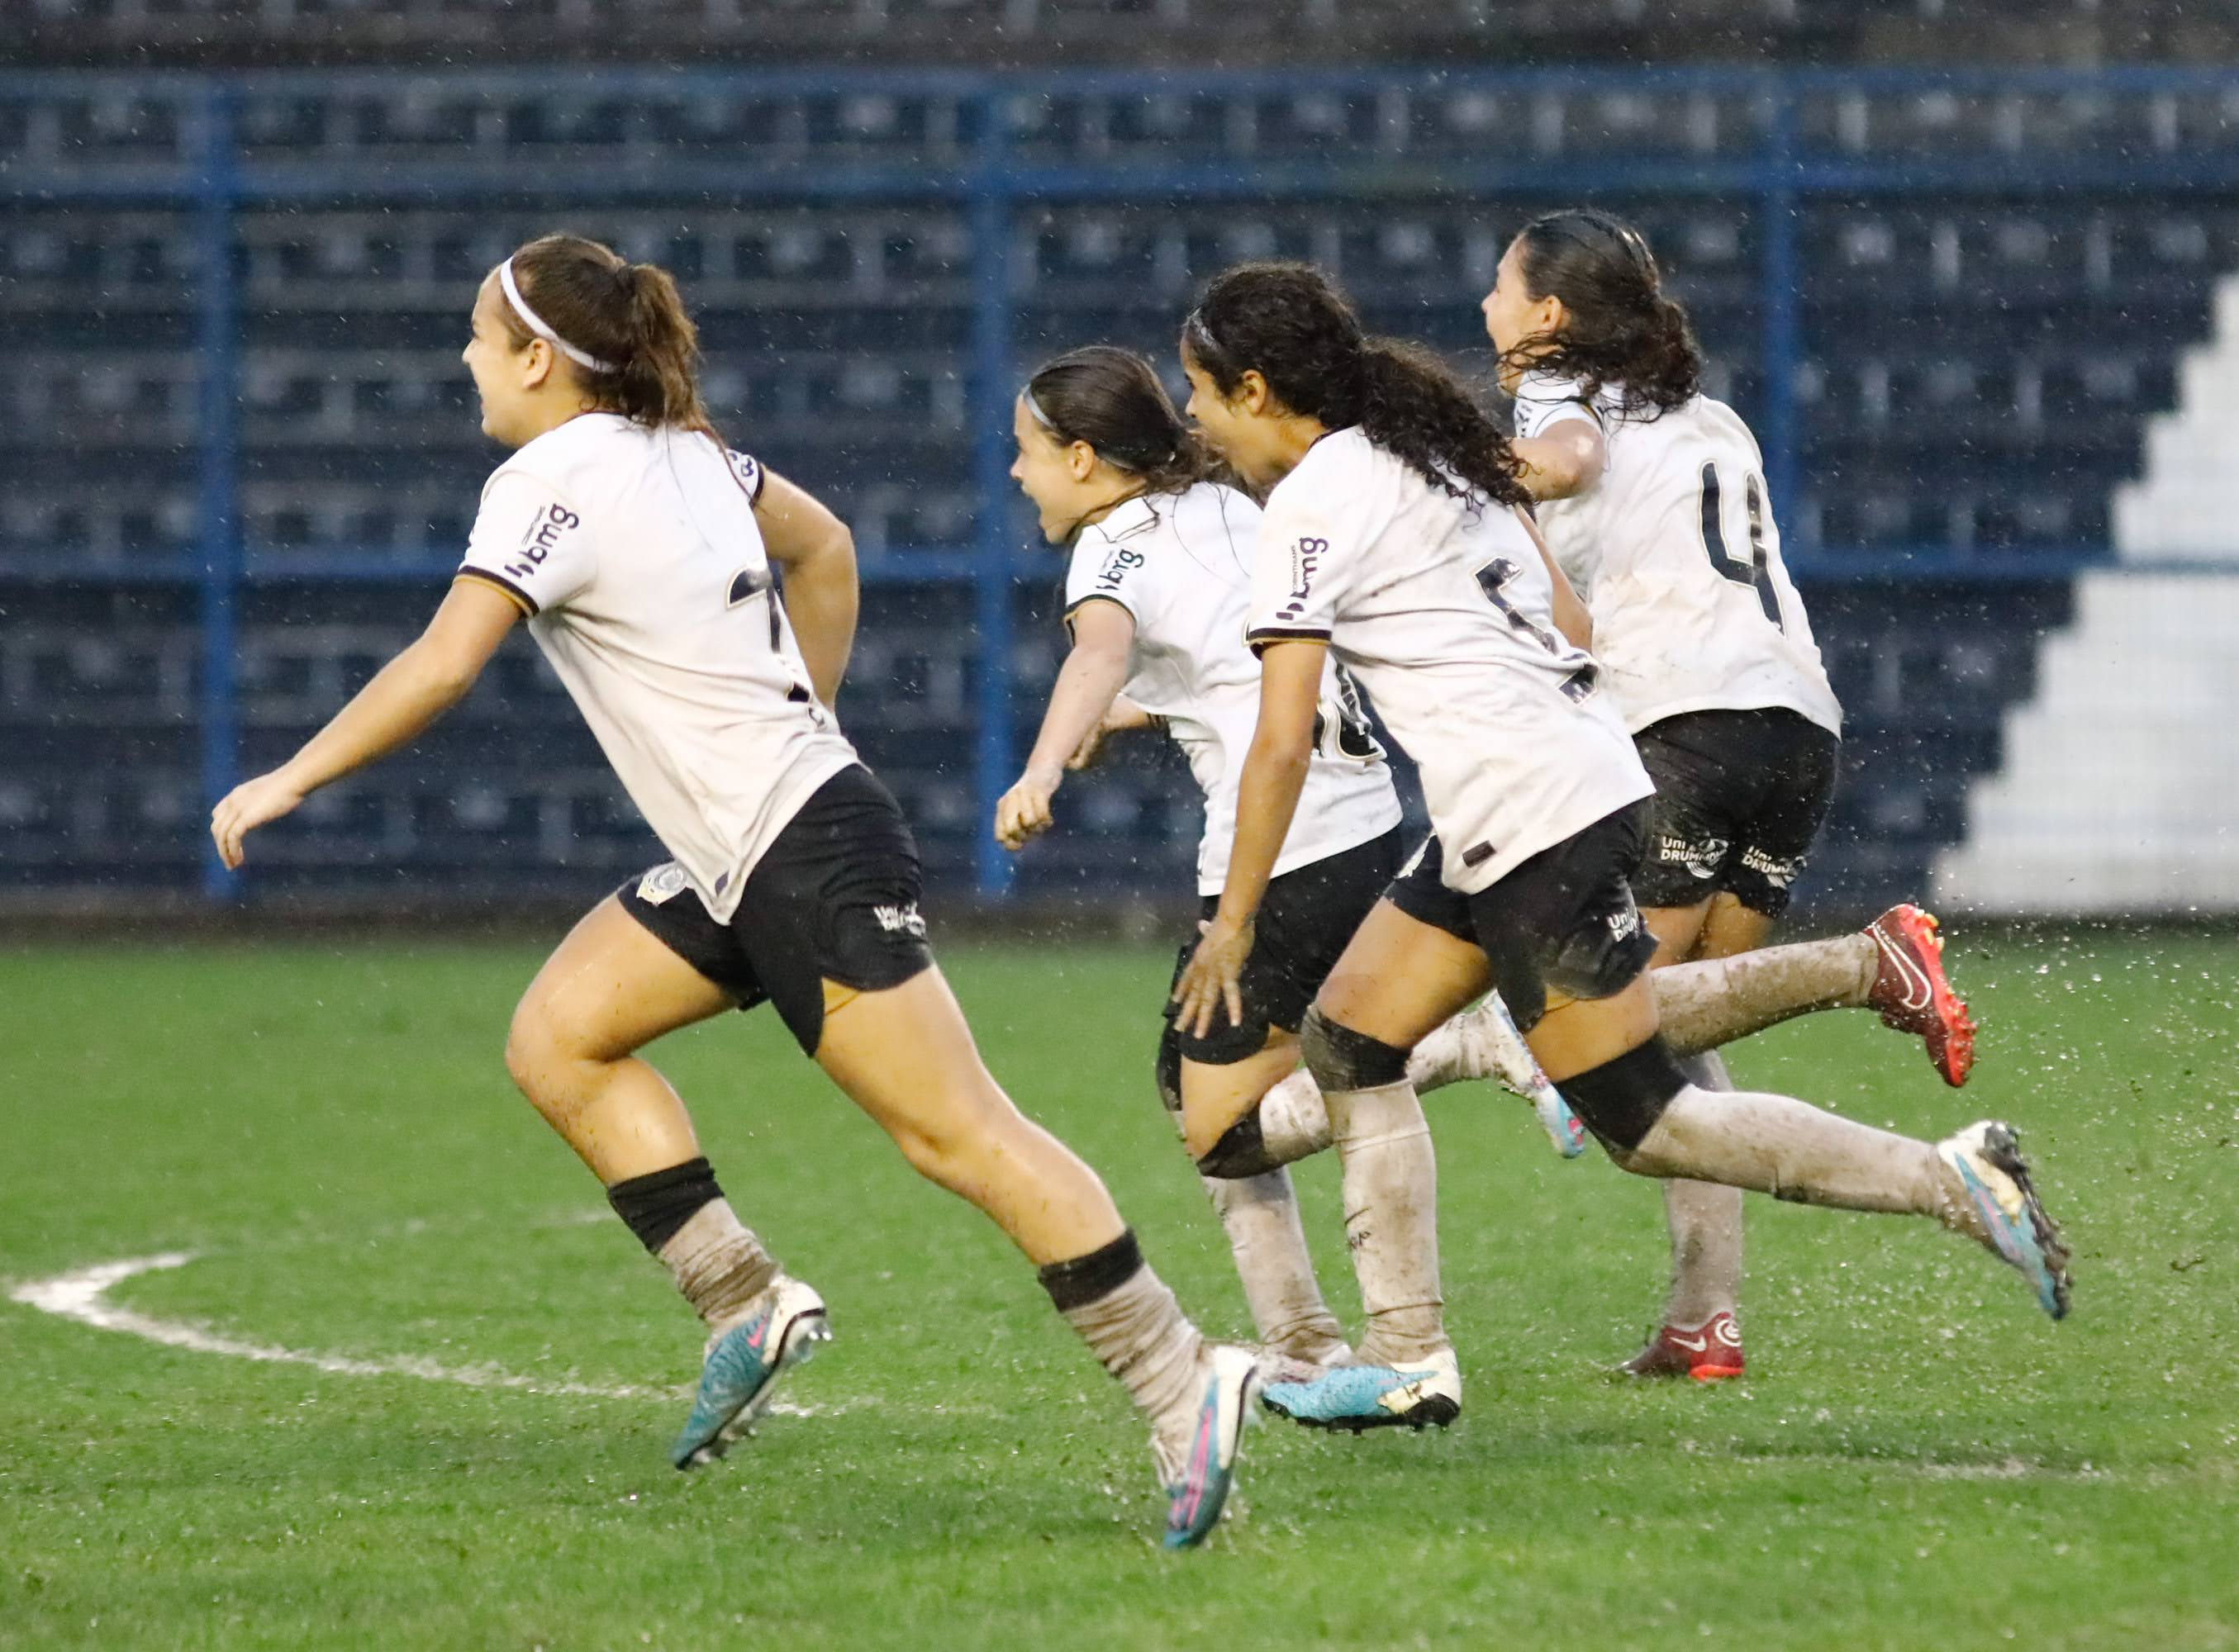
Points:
x=906, y=1057
x=610, y=989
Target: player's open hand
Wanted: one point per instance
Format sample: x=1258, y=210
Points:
x=1023, y=812
x=248, y=805
x=1209, y=982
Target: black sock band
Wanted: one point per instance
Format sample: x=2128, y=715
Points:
x=1086, y=1279
x=1621, y=1100
x=655, y=1206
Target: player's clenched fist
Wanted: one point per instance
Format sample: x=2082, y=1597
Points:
x=248, y=805
x=1023, y=812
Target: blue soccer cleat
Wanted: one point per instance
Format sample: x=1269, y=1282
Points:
x=1199, y=1477
x=1986, y=1158
x=742, y=1368
x=1355, y=1398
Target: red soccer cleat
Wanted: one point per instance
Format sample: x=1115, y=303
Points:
x=1710, y=1353
x=1912, y=994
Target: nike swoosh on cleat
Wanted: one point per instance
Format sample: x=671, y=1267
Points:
x=1692, y=1344
x=1918, y=991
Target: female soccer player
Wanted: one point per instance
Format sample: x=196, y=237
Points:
x=641, y=552
x=1391, y=536
x=1652, y=498
x=1155, y=599
x=1156, y=606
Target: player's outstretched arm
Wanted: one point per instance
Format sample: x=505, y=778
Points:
x=405, y=695
x=1267, y=800
x=818, y=555
x=1103, y=635
x=1122, y=715
x=1565, y=459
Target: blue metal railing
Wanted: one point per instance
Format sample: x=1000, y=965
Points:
x=986, y=171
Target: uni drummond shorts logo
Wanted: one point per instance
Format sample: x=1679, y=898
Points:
x=1625, y=923
x=900, y=920
x=1778, y=873
x=663, y=883
x=1701, y=856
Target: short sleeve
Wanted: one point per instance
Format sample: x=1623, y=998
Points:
x=749, y=472
x=1299, y=571
x=529, y=542
x=1113, y=570
x=1541, y=398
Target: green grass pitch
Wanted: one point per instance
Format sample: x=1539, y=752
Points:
x=1918, y=1459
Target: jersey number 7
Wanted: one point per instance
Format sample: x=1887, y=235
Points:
x=1748, y=568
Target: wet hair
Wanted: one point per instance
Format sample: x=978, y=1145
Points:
x=626, y=316
x=1623, y=333
x=1112, y=399
x=1290, y=324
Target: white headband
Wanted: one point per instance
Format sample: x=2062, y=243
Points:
x=542, y=328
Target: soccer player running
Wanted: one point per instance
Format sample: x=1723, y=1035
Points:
x=1161, y=550
x=1157, y=595
x=643, y=554
x=1391, y=538
x=1652, y=497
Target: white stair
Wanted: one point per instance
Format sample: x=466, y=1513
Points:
x=2120, y=789
x=2187, y=507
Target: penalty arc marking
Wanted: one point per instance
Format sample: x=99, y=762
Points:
x=82, y=1295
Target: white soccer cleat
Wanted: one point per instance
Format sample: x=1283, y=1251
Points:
x=782, y=1329
x=1987, y=1157
x=1198, y=1473
x=1502, y=1053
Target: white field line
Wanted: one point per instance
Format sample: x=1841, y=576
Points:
x=82, y=1295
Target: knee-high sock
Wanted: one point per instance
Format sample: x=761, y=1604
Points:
x=1294, y=1120
x=1132, y=1324
x=718, y=1265
x=1479, y=1042
x=1261, y=1214
x=1791, y=1150
x=1705, y=1220
x=1391, y=1219
x=1703, y=1004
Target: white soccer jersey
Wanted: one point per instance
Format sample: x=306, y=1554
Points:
x=1675, y=552
x=1444, y=612
x=637, y=555
x=1181, y=565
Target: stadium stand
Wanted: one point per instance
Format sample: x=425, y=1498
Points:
x=241, y=463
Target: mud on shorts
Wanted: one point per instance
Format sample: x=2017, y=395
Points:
x=1564, y=918
x=834, y=899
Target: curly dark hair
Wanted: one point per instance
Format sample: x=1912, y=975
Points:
x=1289, y=323
x=1623, y=334
x=1112, y=399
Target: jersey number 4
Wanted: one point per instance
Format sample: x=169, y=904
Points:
x=1744, y=568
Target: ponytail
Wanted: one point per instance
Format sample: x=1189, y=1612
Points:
x=1112, y=399
x=1621, y=334
x=1290, y=325
x=626, y=318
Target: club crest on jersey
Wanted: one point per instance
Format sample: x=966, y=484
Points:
x=1701, y=856
x=747, y=584
x=663, y=883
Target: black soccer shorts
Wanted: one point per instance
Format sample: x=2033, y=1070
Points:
x=1740, y=798
x=835, y=897
x=1305, y=920
x=1564, y=918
